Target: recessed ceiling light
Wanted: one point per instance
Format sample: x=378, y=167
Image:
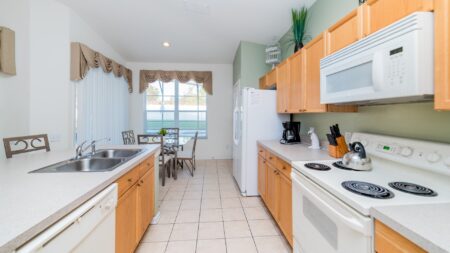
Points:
x=166, y=44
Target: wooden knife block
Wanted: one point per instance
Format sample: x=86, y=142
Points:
x=340, y=150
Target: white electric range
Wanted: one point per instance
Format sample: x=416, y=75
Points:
x=332, y=205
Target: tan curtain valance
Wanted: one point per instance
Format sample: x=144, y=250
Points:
x=7, y=51
x=83, y=58
x=150, y=76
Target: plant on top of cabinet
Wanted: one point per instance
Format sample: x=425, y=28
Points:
x=299, y=18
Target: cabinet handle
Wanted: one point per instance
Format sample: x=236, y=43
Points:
x=142, y=181
x=285, y=110
x=138, y=184
x=284, y=168
x=130, y=180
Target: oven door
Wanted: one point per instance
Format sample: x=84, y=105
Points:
x=322, y=223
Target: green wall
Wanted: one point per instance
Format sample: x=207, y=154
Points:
x=417, y=120
x=249, y=64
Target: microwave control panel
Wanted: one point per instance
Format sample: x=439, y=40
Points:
x=396, y=67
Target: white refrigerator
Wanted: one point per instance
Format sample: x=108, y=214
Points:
x=254, y=118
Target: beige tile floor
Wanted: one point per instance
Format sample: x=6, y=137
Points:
x=206, y=214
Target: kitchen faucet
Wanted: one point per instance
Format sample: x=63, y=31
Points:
x=80, y=148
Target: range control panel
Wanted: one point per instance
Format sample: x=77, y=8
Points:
x=421, y=154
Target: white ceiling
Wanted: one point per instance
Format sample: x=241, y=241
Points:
x=200, y=31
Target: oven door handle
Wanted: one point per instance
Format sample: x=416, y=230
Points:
x=349, y=221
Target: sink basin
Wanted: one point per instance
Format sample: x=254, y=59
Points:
x=116, y=153
x=82, y=165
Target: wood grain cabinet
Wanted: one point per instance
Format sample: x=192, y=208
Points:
x=296, y=95
x=346, y=31
x=135, y=208
x=283, y=79
x=442, y=55
x=271, y=78
x=381, y=13
x=389, y=241
x=262, y=82
x=275, y=188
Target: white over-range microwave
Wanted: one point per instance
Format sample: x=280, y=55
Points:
x=393, y=65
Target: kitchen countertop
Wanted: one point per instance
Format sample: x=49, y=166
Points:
x=295, y=152
x=427, y=225
x=29, y=203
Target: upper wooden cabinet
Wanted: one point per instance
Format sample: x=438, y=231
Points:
x=262, y=82
x=295, y=97
x=381, y=13
x=283, y=83
x=442, y=55
x=313, y=52
x=389, y=241
x=346, y=31
x=271, y=78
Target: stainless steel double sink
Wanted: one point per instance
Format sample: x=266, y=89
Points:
x=100, y=161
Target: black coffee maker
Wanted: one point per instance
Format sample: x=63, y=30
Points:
x=291, y=132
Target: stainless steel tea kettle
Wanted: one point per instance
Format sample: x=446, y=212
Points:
x=357, y=158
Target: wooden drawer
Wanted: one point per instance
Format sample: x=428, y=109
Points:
x=389, y=241
x=128, y=180
x=146, y=165
x=271, y=158
x=261, y=151
x=284, y=168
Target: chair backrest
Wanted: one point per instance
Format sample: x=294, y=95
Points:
x=195, y=144
x=29, y=143
x=128, y=137
x=152, y=139
x=173, y=135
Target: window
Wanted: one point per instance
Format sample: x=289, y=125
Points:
x=176, y=104
x=101, y=111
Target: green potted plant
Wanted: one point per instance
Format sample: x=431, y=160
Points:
x=299, y=18
x=162, y=132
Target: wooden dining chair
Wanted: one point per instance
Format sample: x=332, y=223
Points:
x=128, y=137
x=188, y=156
x=165, y=159
x=25, y=144
x=173, y=136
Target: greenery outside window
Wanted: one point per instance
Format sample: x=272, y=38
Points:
x=175, y=104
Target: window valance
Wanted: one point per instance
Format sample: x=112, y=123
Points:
x=83, y=58
x=150, y=76
x=7, y=51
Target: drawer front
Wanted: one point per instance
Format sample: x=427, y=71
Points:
x=284, y=168
x=146, y=165
x=261, y=151
x=128, y=180
x=271, y=158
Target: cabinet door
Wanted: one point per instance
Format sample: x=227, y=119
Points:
x=389, y=241
x=285, y=207
x=283, y=87
x=345, y=31
x=126, y=222
x=262, y=82
x=442, y=55
x=271, y=78
x=145, y=202
x=272, y=191
x=381, y=13
x=262, y=177
x=295, y=101
x=313, y=52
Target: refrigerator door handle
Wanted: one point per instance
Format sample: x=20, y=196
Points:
x=236, y=120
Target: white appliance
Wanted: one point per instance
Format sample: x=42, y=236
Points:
x=89, y=228
x=333, y=219
x=254, y=118
x=393, y=65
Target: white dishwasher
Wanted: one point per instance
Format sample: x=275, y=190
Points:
x=89, y=228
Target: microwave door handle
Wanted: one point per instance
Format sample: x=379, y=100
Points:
x=377, y=70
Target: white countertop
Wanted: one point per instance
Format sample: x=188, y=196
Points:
x=426, y=225
x=29, y=203
x=295, y=152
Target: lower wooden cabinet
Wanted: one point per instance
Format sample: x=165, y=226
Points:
x=135, y=208
x=126, y=221
x=146, y=196
x=389, y=241
x=285, y=206
x=262, y=177
x=275, y=188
